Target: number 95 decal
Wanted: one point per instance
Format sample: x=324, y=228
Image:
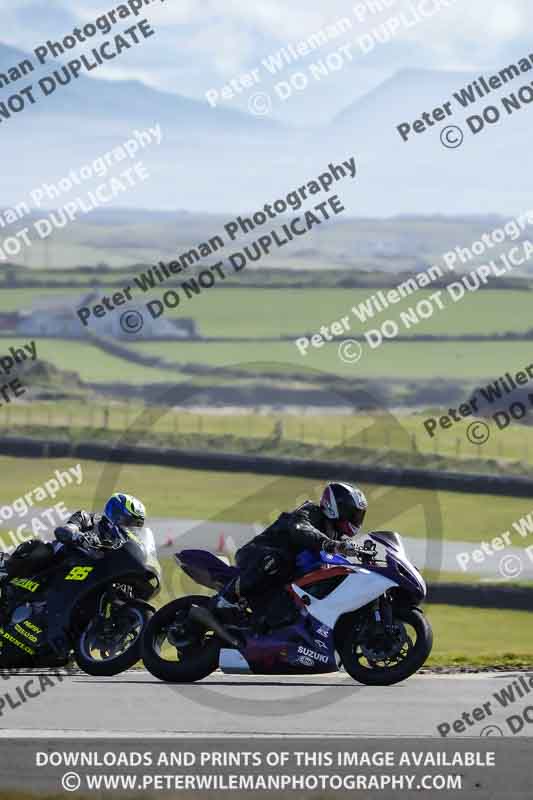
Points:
x=79, y=573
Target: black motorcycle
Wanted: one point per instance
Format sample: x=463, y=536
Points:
x=90, y=604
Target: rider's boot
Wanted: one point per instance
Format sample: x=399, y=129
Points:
x=229, y=598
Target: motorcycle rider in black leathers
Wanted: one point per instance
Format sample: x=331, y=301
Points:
x=268, y=561
x=33, y=556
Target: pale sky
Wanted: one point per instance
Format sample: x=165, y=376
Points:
x=202, y=44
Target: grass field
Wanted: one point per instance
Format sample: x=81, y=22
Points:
x=470, y=361
x=90, y=363
x=270, y=312
x=247, y=498
x=267, y=312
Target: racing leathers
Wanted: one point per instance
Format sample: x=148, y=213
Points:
x=268, y=561
x=33, y=556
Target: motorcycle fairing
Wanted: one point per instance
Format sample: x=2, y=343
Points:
x=306, y=646
x=63, y=596
x=349, y=595
x=205, y=568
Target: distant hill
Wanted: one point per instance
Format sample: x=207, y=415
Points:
x=122, y=100
x=224, y=161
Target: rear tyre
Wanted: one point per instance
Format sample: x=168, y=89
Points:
x=175, y=650
x=383, y=662
x=101, y=654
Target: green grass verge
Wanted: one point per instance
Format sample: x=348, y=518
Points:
x=480, y=637
x=248, y=498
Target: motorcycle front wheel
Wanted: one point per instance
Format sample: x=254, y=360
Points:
x=377, y=657
x=110, y=646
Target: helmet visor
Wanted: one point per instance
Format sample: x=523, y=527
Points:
x=135, y=522
x=353, y=519
x=127, y=521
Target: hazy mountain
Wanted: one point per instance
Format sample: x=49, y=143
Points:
x=488, y=173
x=220, y=160
x=200, y=160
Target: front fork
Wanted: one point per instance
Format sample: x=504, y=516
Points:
x=105, y=612
x=382, y=613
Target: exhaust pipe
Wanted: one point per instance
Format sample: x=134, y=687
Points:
x=206, y=619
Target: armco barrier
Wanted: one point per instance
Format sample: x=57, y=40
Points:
x=507, y=485
x=514, y=598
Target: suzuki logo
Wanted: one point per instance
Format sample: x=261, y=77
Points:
x=305, y=651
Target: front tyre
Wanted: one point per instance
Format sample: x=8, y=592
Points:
x=110, y=646
x=176, y=650
x=378, y=658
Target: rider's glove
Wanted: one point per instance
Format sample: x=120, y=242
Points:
x=330, y=546
x=68, y=534
x=108, y=533
x=347, y=548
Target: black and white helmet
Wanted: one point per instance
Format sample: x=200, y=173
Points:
x=345, y=506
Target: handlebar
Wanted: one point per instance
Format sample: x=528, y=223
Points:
x=366, y=553
x=95, y=542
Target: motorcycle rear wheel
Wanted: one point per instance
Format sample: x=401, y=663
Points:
x=352, y=652
x=196, y=659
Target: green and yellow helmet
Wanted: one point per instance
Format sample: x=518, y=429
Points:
x=125, y=510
